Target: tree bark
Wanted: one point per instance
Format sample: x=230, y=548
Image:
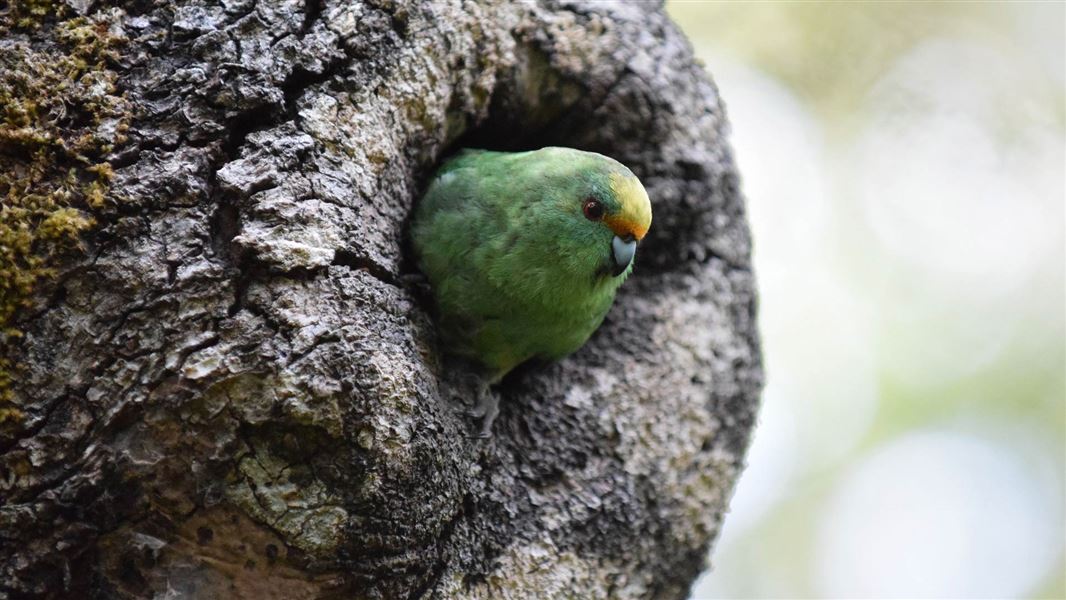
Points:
x=232, y=390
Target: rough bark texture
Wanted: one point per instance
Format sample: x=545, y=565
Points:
x=234, y=393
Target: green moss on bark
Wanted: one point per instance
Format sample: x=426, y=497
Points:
x=60, y=116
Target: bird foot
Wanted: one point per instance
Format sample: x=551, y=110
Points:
x=486, y=409
x=417, y=284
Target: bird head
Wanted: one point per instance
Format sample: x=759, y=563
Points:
x=575, y=220
x=601, y=212
x=624, y=209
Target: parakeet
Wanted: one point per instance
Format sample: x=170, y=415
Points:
x=524, y=251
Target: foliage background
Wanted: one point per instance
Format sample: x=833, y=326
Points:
x=904, y=166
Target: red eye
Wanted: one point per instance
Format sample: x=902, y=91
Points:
x=593, y=209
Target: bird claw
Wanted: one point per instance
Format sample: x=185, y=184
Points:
x=413, y=279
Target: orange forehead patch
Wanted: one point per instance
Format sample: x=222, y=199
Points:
x=622, y=226
x=635, y=217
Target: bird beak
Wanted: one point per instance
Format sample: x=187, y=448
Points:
x=622, y=252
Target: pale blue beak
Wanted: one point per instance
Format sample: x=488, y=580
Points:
x=622, y=253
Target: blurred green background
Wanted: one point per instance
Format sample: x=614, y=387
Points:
x=905, y=168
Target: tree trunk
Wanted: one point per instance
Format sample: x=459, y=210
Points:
x=219, y=382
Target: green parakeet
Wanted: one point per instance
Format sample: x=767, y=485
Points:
x=524, y=252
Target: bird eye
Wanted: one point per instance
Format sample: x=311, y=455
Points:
x=593, y=209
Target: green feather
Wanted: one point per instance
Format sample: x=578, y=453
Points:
x=516, y=268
